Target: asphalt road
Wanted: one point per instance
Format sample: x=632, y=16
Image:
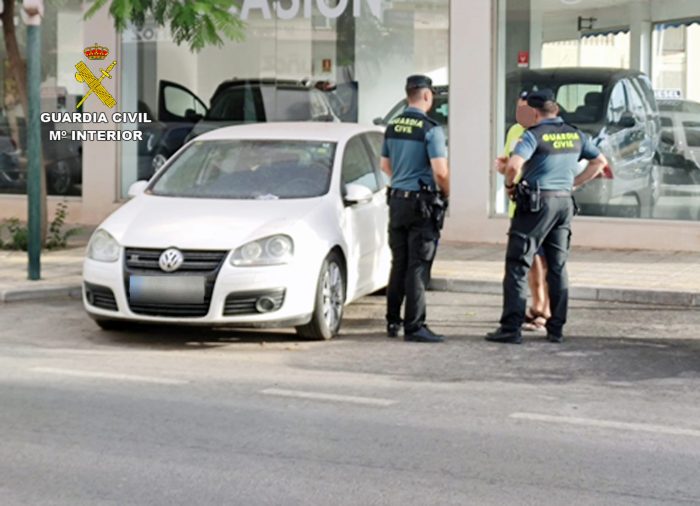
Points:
x=172, y=416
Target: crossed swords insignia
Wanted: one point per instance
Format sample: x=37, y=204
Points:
x=85, y=75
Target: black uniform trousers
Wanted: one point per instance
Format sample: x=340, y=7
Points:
x=550, y=227
x=413, y=239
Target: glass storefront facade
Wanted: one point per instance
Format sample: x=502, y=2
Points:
x=339, y=61
x=62, y=44
x=622, y=72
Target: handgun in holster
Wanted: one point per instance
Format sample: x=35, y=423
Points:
x=528, y=197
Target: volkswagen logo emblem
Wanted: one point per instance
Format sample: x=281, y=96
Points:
x=171, y=260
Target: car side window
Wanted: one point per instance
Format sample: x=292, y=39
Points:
x=357, y=166
x=618, y=104
x=375, y=141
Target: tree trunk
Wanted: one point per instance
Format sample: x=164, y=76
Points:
x=19, y=75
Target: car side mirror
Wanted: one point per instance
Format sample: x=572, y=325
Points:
x=378, y=121
x=627, y=121
x=357, y=194
x=137, y=189
x=192, y=116
x=329, y=118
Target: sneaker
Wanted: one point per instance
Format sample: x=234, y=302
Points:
x=392, y=329
x=553, y=338
x=504, y=336
x=423, y=335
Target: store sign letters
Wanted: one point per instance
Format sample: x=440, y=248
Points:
x=294, y=7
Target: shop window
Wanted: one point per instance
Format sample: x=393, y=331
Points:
x=302, y=68
x=636, y=95
x=62, y=46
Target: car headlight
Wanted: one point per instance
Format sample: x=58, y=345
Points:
x=273, y=250
x=103, y=247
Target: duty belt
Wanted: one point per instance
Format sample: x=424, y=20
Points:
x=404, y=194
x=554, y=193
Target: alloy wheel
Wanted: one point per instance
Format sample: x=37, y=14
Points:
x=333, y=296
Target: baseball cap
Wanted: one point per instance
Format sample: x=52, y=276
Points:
x=419, y=81
x=538, y=98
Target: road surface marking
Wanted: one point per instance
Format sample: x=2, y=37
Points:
x=106, y=375
x=317, y=396
x=607, y=424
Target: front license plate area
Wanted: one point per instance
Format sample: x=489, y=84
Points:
x=167, y=289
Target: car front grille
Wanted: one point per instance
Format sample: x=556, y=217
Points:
x=245, y=303
x=139, y=261
x=100, y=297
x=171, y=310
x=195, y=261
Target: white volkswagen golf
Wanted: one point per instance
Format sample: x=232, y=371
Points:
x=248, y=226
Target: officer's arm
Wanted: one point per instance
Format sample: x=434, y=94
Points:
x=594, y=168
x=523, y=151
x=513, y=169
x=385, y=164
x=437, y=152
x=441, y=173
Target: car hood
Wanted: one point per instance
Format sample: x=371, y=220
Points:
x=159, y=222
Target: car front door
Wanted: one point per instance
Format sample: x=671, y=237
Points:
x=363, y=233
x=383, y=257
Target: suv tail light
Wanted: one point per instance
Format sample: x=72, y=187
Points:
x=607, y=173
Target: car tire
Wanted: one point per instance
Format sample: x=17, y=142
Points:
x=106, y=324
x=329, y=302
x=60, y=178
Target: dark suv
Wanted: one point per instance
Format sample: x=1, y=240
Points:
x=617, y=108
x=182, y=115
x=439, y=111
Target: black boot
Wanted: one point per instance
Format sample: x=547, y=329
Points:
x=392, y=329
x=423, y=335
x=501, y=335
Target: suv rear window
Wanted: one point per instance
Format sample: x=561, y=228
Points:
x=581, y=102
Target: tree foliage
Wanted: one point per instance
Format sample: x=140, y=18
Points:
x=199, y=23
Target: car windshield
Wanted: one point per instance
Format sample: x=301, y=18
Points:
x=249, y=169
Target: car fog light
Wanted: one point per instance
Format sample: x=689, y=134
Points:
x=264, y=305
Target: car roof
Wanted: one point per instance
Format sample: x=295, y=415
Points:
x=580, y=74
x=302, y=130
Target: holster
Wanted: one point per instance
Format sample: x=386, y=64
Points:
x=528, y=198
x=433, y=205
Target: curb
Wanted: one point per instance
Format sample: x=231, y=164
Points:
x=601, y=294
x=41, y=293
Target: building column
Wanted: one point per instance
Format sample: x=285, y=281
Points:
x=640, y=37
x=472, y=101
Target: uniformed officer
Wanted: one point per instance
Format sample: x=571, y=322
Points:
x=414, y=156
x=547, y=155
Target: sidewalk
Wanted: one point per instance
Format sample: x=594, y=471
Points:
x=605, y=275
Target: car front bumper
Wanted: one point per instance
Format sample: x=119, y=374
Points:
x=106, y=296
